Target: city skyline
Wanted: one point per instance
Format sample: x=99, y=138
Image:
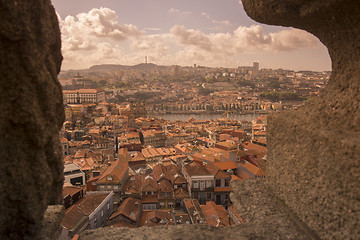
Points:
x=180, y=33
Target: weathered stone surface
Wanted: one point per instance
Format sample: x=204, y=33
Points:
x=51, y=222
x=314, y=152
x=31, y=116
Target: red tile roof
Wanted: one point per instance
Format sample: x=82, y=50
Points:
x=70, y=190
x=181, y=193
x=253, y=169
x=226, y=165
x=160, y=172
x=149, y=199
x=133, y=185
x=215, y=215
x=195, y=169
x=252, y=146
x=115, y=172
x=130, y=208
x=156, y=218
x=234, y=177
x=149, y=184
x=82, y=209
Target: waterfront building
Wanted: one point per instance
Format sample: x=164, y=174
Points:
x=80, y=96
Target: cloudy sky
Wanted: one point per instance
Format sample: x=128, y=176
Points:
x=214, y=33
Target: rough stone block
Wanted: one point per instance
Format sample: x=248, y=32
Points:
x=31, y=116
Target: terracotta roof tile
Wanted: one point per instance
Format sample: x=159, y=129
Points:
x=115, y=172
x=70, y=190
x=156, y=218
x=130, y=208
x=149, y=199
x=181, y=193
x=216, y=215
x=226, y=165
x=82, y=209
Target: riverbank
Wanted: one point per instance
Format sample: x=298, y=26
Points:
x=202, y=112
x=207, y=116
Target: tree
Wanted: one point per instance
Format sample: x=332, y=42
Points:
x=102, y=82
x=204, y=91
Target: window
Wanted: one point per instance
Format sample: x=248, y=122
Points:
x=202, y=184
x=227, y=182
x=102, y=213
x=108, y=206
x=196, y=195
x=227, y=196
x=218, y=183
x=170, y=204
x=175, y=186
x=208, y=183
x=208, y=196
x=162, y=204
x=195, y=184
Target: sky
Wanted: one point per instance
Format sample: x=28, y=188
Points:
x=214, y=33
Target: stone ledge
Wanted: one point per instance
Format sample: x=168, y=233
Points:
x=51, y=223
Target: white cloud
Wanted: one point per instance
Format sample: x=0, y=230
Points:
x=245, y=39
x=84, y=31
x=192, y=37
x=93, y=36
x=206, y=15
x=152, y=29
x=97, y=37
x=177, y=11
x=152, y=45
x=100, y=22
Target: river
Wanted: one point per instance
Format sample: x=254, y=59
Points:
x=206, y=116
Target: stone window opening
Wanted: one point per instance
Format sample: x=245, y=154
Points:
x=336, y=108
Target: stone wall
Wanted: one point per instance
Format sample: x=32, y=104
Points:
x=31, y=116
x=314, y=152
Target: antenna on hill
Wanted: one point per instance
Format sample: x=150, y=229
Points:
x=146, y=60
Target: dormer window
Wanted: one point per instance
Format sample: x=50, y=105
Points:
x=109, y=178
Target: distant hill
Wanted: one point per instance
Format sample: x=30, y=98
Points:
x=104, y=70
x=101, y=70
x=144, y=66
x=106, y=67
x=114, y=67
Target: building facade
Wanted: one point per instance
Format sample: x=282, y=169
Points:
x=80, y=96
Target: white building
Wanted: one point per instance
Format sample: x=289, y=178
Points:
x=83, y=95
x=73, y=174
